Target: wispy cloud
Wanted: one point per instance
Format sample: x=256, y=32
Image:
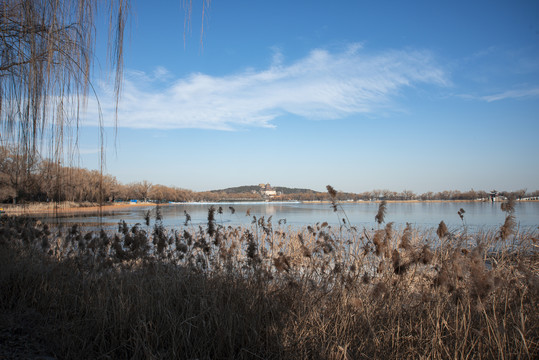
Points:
x=513, y=94
x=323, y=85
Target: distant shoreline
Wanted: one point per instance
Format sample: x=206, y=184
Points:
x=405, y=201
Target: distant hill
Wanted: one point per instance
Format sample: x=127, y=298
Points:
x=287, y=191
x=238, y=189
x=250, y=188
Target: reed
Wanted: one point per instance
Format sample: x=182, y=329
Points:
x=382, y=209
x=272, y=292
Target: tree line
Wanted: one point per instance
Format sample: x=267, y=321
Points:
x=407, y=195
x=26, y=177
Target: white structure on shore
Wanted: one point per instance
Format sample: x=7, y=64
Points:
x=267, y=190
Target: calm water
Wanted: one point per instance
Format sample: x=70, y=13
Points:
x=478, y=216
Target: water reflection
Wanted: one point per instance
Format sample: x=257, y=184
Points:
x=477, y=216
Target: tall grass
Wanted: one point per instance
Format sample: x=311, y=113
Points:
x=271, y=292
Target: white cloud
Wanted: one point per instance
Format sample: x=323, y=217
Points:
x=161, y=73
x=513, y=94
x=323, y=85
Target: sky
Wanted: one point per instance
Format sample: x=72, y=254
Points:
x=362, y=95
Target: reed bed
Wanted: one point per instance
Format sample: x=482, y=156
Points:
x=40, y=207
x=268, y=291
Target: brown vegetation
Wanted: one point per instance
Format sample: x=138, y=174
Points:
x=46, y=62
x=69, y=208
x=265, y=291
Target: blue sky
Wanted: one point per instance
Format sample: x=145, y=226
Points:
x=363, y=95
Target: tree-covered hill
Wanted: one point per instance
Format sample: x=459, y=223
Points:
x=250, y=188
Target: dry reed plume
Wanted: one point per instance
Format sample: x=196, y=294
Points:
x=382, y=209
x=265, y=291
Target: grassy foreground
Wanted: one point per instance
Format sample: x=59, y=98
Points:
x=269, y=292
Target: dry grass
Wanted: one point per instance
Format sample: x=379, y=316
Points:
x=66, y=207
x=269, y=292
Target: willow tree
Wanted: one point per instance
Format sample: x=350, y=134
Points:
x=46, y=58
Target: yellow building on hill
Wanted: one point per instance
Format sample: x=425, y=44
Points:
x=267, y=190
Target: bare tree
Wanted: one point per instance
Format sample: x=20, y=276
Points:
x=46, y=56
x=408, y=194
x=18, y=172
x=141, y=190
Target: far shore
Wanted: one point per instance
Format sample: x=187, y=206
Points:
x=404, y=201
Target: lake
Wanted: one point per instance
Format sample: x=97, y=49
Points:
x=477, y=216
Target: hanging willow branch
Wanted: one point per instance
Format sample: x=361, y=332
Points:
x=46, y=56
